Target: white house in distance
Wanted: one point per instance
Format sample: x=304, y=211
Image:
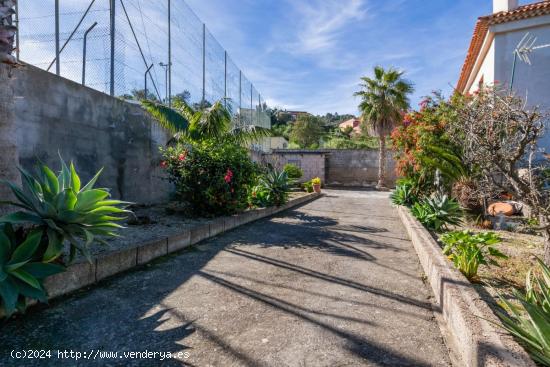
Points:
x=490, y=57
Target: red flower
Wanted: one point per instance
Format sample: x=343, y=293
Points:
x=228, y=176
x=182, y=157
x=163, y=164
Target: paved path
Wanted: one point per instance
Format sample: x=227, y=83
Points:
x=332, y=283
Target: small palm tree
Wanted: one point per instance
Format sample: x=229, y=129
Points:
x=203, y=122
x=384, y=98
x=9, y=159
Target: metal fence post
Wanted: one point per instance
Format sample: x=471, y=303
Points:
x=225, y=78
x=169, y=58
x=57, y=61
x=203, y=63
x=84, y=53
x=240, y=95
x=147, y=72
x=17, y=30
x=251, y=86
x=112, y=31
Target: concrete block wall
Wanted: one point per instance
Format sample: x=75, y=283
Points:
x=92, y=129
x=357, y=167
x=312, y=163
x=336, y=167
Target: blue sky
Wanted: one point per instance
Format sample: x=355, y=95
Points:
x=309, y=54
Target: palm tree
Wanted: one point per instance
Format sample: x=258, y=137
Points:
x=203, y=122
x=9, y=159
x=384, y=98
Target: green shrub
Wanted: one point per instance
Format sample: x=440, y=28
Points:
x=293, y=172
x=271, y=190
x=64, y=210
x=308, y=186
x=437, y=212
x=404, y=194
x=212, y=177
x=468, y=250
x=22, y=268
x=529, y=322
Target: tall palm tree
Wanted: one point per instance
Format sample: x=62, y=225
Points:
x=202, y=122
x=384, y=98
x=9, y=159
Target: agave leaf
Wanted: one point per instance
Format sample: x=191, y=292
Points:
x=55, y=246
x=31, y=292
x=27, y=278
x=91, y=183
x=86, y=200
x=51, y=179
x=26, y=250
x=64, y=176
x=42, y=270
x=74, y=179
x=9, y=295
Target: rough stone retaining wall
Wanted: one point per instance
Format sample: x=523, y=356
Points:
x=83, y=274
x=54, y=114
x=468, y=323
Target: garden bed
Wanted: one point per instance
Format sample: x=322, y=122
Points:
x=471, y=328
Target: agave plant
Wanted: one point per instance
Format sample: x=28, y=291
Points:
x=404, y=194
x=437, y=212
x=21, y=270
x=203, y=123
x=64, y=210
x=275, y=185
x=529, y=322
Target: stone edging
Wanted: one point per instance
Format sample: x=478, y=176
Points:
x=470, y=326
x=83, y=274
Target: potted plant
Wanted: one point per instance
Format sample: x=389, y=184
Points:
x=316, y=184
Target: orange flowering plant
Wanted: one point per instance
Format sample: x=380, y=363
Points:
x=422, y=145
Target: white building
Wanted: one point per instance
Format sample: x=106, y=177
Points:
x=490, y=57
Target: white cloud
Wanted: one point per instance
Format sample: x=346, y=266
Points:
x=320, y=23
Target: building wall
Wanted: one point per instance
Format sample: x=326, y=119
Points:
x=92, y=129
x=486, y=71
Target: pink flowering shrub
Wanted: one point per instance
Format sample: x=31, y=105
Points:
x=212, y=177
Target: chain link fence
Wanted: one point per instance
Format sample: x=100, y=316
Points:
x=136, y=48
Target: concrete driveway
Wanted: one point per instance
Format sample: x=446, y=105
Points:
x=335, y=282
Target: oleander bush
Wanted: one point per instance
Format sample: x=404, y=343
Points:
x=469, y=250
x=212, y=177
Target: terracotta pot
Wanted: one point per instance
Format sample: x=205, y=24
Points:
x=317, y=188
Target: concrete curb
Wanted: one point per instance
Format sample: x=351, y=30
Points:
x=468, y=323
x=83, y=274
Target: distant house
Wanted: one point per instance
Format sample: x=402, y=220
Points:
x=293, y=114
x=354, y=123
x=490, y=57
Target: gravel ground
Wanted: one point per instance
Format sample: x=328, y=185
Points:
x=335, y=282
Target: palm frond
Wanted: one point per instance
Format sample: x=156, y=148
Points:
x=167, y=117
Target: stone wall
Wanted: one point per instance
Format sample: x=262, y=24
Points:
x=312, y=163
x=92, y=129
